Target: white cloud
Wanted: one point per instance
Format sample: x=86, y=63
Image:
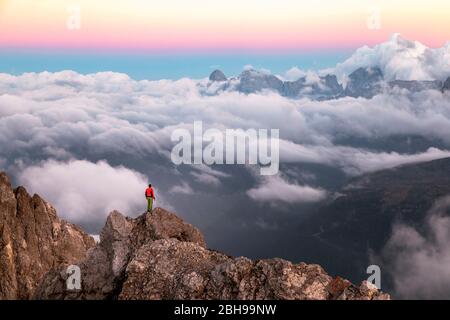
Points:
x=206, y=178
x=419, y=261
x=293, y=74
x=400, y=59
x=206, y=175
x=183, y=188
x=107, y=114
x=83, y=191
x=276, y=188
x=354, y=161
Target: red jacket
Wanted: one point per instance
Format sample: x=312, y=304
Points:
x=149, y=193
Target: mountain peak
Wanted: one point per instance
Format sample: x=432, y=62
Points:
x=364, y=82
x=33, y=241
x=218, y=76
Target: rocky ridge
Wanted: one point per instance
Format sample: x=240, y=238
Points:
x=363, y=82
x=159, y=256
x=153, y=256
x=32, y=241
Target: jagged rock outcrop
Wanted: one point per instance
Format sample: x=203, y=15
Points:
x=159, y=256
x=170, y=269
x=32, y=241
x=103, y=271
x=253, y=81
x=365, y=82
x=330, y=85
x=324, y=87
x=218, y=76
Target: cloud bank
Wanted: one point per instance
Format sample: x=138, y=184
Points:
x=419, y=260
x=83, y=191
x=66, y=115
x=62, y=115
x=183, y=188
x=276, y=188
x=400, y=59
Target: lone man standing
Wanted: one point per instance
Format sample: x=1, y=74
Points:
x=150, y=195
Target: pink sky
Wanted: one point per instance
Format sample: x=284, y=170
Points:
x=263, y=25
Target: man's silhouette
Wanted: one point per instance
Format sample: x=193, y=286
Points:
x=150, y=195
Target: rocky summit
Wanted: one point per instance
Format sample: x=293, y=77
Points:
x=33, y=240
x=364, y=82
x=217, y=75
x=153, y=256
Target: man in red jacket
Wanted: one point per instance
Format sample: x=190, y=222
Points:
x=150, y=195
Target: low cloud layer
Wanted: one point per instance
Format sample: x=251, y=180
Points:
x=275, y=188
x=355, y=161
x=183, y=188
x=57, y=117
x=85, y=192
x=64, y=115
x=419, y=260
x=206, y=175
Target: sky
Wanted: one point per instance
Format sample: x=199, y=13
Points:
x=176, y=38
x=264, y=25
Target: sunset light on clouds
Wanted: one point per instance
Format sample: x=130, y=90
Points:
x=203, y=25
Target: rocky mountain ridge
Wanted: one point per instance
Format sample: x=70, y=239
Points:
x=153, y=256
x=32, y=241
x=363, y=82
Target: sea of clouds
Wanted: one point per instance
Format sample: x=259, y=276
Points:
x=418, y=258
x=52, y=119
x=91, y=143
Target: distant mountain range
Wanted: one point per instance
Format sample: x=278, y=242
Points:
x=363, y=82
